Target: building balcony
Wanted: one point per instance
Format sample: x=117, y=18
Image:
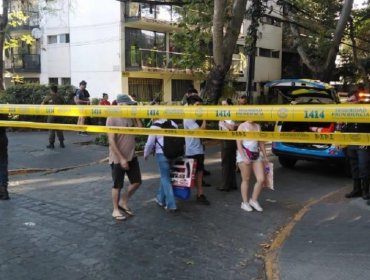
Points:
x=33, y=21
x=152, y=60
x=24, y=63
x=151, y=17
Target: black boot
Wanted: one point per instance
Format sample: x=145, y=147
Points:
x=62, y=144
x=356, y=192
x=365, y=189
x=50, y=146
x=4, y=195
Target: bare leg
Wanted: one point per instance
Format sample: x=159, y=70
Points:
x=245, y=171
x=115, y=199
x=199, y=182
x=128, y=194
x=260, y=178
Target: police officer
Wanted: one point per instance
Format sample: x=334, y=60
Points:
x=358, y=156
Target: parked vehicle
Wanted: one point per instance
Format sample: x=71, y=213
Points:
x=297, y=92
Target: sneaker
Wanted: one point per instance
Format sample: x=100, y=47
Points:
x=255, y=205
x=246, y=207
x=160, y=204
x=171, y=210
x=203, y=200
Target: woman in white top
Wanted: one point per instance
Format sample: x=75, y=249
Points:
x=251, y=155
x=165, y=196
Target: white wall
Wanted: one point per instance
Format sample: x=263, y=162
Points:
x=94, y=51
x=96, y=45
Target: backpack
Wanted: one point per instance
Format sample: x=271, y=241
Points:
x=173, y=147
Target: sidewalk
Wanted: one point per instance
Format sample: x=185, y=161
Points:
x=58, y=225
x=330, y=242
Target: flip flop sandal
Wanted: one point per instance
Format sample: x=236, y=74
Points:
x=128, y=211
x=119, y=217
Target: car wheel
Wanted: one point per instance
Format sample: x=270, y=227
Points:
x=287, y=162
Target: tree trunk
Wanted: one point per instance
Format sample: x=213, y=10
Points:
x=224, y=41
x=325, y=70
x=3, y=25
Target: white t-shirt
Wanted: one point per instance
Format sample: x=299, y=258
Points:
x=193, y=146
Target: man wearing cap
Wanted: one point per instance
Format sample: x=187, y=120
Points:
x=123, y=160
x=82, y=97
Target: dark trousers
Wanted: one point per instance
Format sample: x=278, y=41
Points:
x=228, y=163
x=359, y=159
x=3, y=161
x=59, y=133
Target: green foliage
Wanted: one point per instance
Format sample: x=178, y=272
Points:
x=102, y=140
x=34, y=94
x=194, y=39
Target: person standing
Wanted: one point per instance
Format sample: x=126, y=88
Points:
x=249, y=158
x=194, y=149
x=228, y=154
x=358, y=157
x=103, y=102
x=4, y=195
x=53, y=98
x=123, y=160
x=82, y=97
x=165, y=196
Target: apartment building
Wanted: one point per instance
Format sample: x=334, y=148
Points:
x=126, y=47
x=116, y=47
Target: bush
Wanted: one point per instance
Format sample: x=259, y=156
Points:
x=34, y=94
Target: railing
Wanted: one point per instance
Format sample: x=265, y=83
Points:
x=152, y=59
x=32, y=21
x=24, y=63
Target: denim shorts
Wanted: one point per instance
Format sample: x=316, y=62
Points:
x=133, y=174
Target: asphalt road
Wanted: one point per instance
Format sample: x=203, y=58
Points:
x=58, y=224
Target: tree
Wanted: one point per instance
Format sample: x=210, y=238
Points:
x=204, y=35
x=3, y=26
x=317, y=33
x=8, y=42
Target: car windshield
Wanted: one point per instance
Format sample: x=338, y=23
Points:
x=298, y=91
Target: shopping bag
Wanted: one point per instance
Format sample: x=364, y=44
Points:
x=269, y=175
x=183, y=172
x=182, y=192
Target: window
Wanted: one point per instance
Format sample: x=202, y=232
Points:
x=64, y=38
x=179, y=88
x=66, y=81
x=52, y=39
x=264, y=52
x=53, y=81
x=275, y=54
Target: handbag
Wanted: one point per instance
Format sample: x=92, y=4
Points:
x=251, y=155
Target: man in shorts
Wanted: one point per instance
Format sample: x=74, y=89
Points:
x=195, y=149
x=123, y=160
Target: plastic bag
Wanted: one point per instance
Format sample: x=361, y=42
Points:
x=269, y=175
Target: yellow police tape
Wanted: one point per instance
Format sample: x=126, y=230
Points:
x=293, y=137
x=305, y=113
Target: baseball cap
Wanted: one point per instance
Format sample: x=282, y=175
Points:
x=125, y=98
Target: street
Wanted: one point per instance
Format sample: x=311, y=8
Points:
x=58, y=223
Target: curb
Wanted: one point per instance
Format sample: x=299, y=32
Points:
x=271, y=254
